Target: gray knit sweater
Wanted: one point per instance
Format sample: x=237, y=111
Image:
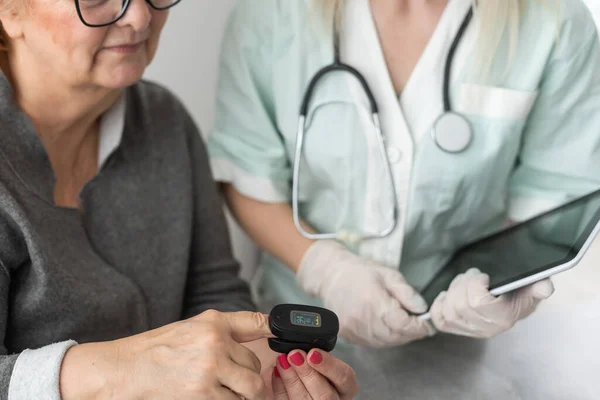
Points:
x=149, y=247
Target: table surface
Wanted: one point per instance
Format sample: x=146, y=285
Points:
x=553, y=355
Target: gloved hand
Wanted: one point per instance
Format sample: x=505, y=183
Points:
x=369, y=299
x=468, y=308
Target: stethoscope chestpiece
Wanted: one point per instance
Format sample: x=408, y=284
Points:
x=301, y=327
x=452, y=132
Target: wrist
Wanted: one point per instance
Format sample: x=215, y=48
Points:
x=91, y=371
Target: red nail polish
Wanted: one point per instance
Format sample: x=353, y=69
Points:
x=315, y=357
x=284, y=362
x=297, y=359
x=276, y=372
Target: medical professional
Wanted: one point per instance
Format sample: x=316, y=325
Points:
x=471, y=114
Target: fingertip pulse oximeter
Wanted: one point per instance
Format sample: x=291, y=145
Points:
x=300, y=327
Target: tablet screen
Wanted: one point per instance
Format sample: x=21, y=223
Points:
x=525, y=249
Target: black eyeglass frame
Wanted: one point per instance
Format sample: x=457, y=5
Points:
x=121, y=14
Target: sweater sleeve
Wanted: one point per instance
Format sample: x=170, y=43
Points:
x=7, y=362
x=213, y=280
x=36, y=373
x=31, y=374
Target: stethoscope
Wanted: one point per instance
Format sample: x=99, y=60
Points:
x=451, y=132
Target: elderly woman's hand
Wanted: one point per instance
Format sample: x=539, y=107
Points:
x=193, y=359
x=316, y=375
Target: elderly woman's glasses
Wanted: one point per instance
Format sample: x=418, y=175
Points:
x=96, y=13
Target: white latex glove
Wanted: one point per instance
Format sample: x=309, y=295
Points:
x=369, y=299
x=468, y=308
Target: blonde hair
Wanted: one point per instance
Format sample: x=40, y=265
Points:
x=495, y=18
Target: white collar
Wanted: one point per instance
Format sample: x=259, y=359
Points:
x=111, y=130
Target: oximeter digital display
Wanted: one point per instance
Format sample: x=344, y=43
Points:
x=300, y=327
x=304, y=318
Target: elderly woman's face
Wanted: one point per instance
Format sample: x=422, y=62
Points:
x=113, y=56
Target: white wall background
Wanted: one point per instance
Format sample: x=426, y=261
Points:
x=187, y=63
x=595, y=7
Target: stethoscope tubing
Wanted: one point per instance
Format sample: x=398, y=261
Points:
x=338, y=66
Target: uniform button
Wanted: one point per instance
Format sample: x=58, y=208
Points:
x=394, y=155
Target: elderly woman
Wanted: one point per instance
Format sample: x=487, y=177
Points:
x=111, y=229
